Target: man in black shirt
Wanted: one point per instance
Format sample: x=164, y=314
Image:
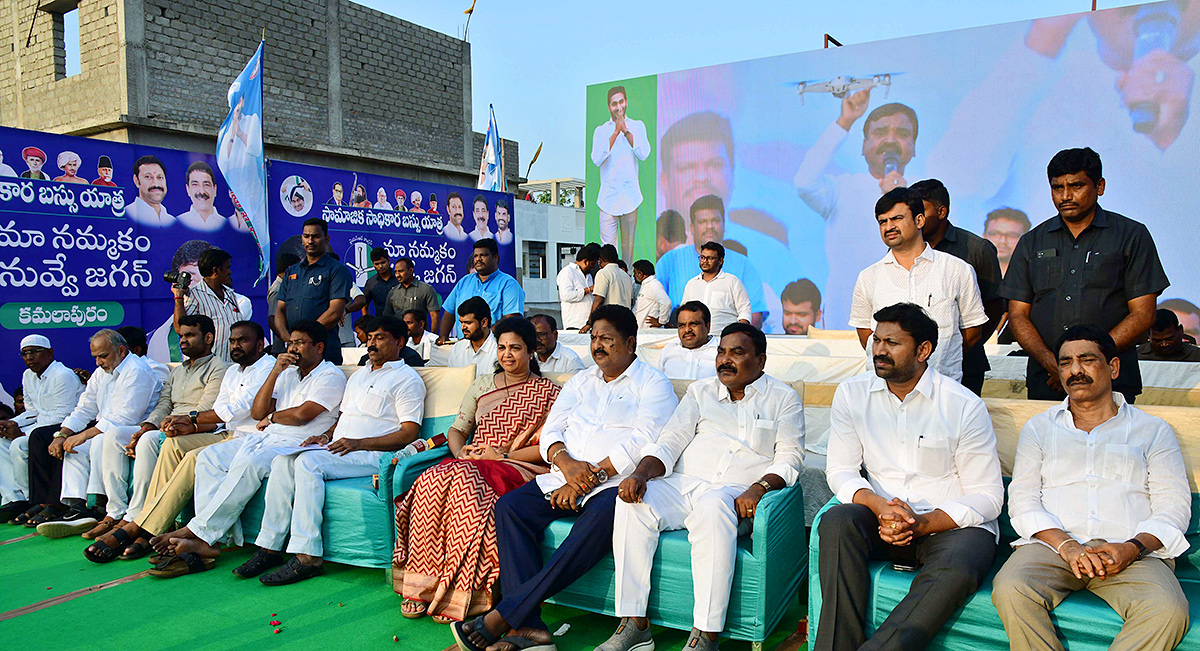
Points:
x=1084, y=266
x=1166, y=341
x=377, y=287
x=371, y=324
x=975, y=251
x=317, y=288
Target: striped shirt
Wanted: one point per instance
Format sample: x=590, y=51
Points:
x=224, y=313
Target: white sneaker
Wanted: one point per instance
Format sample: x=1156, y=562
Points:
x=66, y=528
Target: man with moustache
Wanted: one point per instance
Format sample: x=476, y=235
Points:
x=401, y=200
x=50, y=391
x=723, y=293
x=150, y=179
x=1004, y=227
x=416, y=202
x=1086, y=265
x=801, y=306
x=299, y=399
x=691, y=356
x=553, y=357
x=502, y=293
x=595, y=432
x=929, y=499
x=202, y=188
x=453, y=229
x=415, y=320
x=186, y=435
x=575, y=286
x=336, y=198
x=477, y=347
x=382, y=283
x=433, y=204
x=212, y=297
x=503, y=234
x=889, y=144
x=34, y=159
x=191, y=387
x=480, y=213
x=359, y=200
x=653, y=306
x=69, y=162
x=1094, y=450
x=315, y=289
x=410, y=293
x=617, y=147
x=914, y=272
x=381, y=412
x=1166, y=341
x=707, y=470
x=381, y=202
x=678, y=267
x=104, y=168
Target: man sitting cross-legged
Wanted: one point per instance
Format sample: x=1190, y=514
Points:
x=733, y=438
x=191, y=387
x=381, y=412
x=930, y=498
x=299, y=399
x=594, y=434
x=1100, y=498
x=174, y=477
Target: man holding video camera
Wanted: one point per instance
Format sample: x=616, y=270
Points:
x=213, y=297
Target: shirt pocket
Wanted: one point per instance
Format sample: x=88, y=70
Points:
x=934, y=457
x=1046, y=275
x=1103, y=270
x=376, y=402
x=1125, y=463
x=762, y=436
x=942, y=309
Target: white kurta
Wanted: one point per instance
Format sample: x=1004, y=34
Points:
x=484, y=359
x=679, y=363
x=725, y=297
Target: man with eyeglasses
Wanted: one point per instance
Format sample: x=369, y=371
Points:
x=1004, y=228
x=723, y=293
x=298, y=400
x=553, y=358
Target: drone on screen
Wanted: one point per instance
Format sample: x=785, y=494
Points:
x=839, y=87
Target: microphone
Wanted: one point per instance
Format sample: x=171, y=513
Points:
x=891, y=162
x=1156, y=27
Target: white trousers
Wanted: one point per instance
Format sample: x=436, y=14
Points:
x=228, y=474
x=608, y=232
x=296, y=496
x=144, y=460
x=115, y=468
x=709, y=516
x=81, y=472
x=14, y=469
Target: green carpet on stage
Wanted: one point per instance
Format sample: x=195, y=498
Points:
x=347, y=607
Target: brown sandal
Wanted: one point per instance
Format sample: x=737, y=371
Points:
x=413, y=614
x=102, y=527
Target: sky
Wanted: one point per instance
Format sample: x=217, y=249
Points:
x=533, y=59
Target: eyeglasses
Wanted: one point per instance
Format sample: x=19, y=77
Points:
x=707, y=258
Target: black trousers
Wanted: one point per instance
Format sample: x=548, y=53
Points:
x=45, y=471
x=953, y=565
x=973, y=381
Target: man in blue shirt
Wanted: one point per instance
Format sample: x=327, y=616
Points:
x=317, y=288
x=503, y=294
x=680, y=265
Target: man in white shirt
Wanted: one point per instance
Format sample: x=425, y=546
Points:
x=150, y=179
x=595, y=432
x=202, y=188
x=1100, y=498
x=553, y=357
x=299, y=399
x=51, y=391
x=652, y=307
x=478, y=346
x=479, y=211
x=617, y=146
x=930, y=498
x=693, y=355
x=186, y=435
x=381, y=412
x=504, y=234
x=613, y=286
x=575, y=287
x=914, y=272
x=889, y=144
x=733, y=438
x=722, y=292
x=118, y=397
x=453, y=229
x=415, y=320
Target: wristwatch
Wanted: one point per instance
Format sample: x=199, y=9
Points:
x=601, y=475
x=192, y=416
x=59, y=435
x=765, y=484
x=1142, y=551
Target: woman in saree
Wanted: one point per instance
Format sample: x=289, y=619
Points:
x=446, y=559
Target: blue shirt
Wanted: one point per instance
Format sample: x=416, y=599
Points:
x=502, y=292
x=307, y=290
x=682, y=264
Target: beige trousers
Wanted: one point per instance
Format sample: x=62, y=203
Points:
x=1146, y=595
x=174, y=480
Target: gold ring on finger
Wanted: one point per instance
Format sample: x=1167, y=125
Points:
x=1081, y=555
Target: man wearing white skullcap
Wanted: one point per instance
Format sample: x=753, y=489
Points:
x=51, y=391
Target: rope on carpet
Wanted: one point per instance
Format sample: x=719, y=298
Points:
x=41, y=605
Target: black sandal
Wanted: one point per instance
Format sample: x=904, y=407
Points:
x=186, y=563
x=27, y=515
x=100, y=552
x=138, y=549
x=477, y=626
